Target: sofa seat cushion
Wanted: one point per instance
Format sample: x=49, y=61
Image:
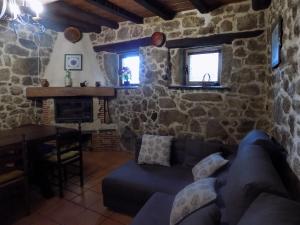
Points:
x=270, y=209
x=133, y=183
x=152, y=178
x=157, y=212
x=251, y=174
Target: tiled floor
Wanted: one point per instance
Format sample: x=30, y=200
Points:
x=81, y=206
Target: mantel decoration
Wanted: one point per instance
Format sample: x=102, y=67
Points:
x=68, y=79
x=22, y=11
x=84, y=84
x=44, y=83
x=125, y=76
x=73, y=62
x=276, y=43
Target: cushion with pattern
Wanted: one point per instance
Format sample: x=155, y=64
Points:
x=155, y=150
x=191, y=198
x=207, y=166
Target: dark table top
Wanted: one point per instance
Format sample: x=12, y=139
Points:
x=32, y=133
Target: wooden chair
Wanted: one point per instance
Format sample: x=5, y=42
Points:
x=67, y=153
x=14, y=168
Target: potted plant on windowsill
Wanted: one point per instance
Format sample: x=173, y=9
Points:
x=125, y=75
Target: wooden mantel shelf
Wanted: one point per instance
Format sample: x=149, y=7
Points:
x=48, y=92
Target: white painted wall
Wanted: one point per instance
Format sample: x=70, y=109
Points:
x=91, y=72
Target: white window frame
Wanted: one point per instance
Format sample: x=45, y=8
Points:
x=202, y=50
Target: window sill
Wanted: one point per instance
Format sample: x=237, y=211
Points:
x=127, y=87
x=187, y=87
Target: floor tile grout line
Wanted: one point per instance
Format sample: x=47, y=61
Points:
x=94, y=179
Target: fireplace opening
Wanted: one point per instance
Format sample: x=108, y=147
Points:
x=73, y=109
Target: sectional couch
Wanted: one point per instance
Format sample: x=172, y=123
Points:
x=257, y=173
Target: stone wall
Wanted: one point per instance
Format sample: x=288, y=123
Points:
x=284, y=88
x=20, y=67
x=223, y=115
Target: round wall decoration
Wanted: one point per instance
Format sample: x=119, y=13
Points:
x=72, y=34
x=158, y=39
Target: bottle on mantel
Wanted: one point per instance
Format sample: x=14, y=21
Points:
x=68, y=79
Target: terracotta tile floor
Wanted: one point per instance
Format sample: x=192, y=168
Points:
x=81, y=206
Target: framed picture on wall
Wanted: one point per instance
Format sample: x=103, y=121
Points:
x=276, y=43
x=73, y=61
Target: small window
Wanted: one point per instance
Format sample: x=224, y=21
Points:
x=203, y=66
x=130, y=65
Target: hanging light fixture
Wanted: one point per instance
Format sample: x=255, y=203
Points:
x=22, y=11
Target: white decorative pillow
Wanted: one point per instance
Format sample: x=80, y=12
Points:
x=207, y=166
x=155, y=150
x=191, y=198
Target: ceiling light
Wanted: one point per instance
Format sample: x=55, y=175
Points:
x=22, y=11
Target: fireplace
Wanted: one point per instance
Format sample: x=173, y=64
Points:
x=73, y=109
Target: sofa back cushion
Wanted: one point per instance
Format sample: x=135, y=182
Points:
x=196, y=150
x=178, y=151
x=278, y=156
x=270, y=209
x=250, y=174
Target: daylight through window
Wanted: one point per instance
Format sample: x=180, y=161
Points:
x=130, y=62
x=203, y=66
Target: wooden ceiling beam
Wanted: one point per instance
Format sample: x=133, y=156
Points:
x=201, y=6
x=114, y=9
x=157, y=8
x=260, y=4
x=212, y=40
x=59, y=24
x=72, y=12
x=124, y=46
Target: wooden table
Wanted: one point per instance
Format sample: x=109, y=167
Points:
x=33, y=133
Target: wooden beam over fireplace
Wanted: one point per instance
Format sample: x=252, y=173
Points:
x=52, y=92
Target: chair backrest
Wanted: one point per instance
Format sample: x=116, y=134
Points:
x=70, y=141
x=13, y=155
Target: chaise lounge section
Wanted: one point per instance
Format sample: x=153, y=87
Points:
x=148, y=191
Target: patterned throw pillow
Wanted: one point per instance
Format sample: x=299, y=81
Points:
x=155, y=150
x=207, y=166
x=191, y=198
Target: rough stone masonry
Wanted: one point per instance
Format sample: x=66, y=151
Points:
x=225, y=115
x=19, y=68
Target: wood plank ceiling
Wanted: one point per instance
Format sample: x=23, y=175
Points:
x=90, y=15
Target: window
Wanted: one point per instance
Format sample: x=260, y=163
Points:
x=203, y=66
x=130, y=62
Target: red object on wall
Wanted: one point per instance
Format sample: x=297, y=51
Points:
x=72, y=34
x=158, y=39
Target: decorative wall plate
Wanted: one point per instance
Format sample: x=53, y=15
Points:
x=73, y=34
x=158, y=39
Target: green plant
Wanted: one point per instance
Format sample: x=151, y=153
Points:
x=125, y=74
